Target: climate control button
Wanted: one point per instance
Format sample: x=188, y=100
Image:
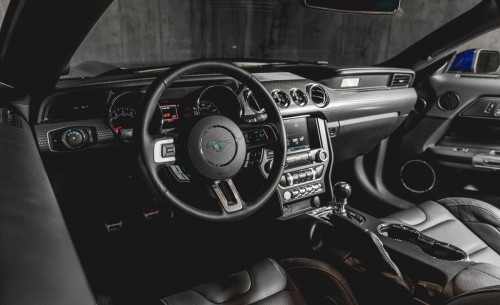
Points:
x=287, y=195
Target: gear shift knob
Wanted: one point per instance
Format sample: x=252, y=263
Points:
x=342, y=191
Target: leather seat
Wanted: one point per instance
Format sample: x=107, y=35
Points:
x=293, y=282
x=469, y=224
x=488, y=295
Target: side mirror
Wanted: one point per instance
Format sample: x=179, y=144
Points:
x=387, y=7
x=476, y=61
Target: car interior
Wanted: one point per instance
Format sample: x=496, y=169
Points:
x=248, y=181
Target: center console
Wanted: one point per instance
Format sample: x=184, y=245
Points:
x=430, y=270
x=305, y=181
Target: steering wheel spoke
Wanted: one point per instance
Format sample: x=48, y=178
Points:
x=259, y=136
x=163, y=150
x=228, y=196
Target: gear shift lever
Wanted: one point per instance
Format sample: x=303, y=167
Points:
x=341, y=191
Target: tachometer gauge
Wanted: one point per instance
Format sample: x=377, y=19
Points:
x=208, y=107
x=122, y=117
x=123, y=112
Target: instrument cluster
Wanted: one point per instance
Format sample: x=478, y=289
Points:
x=122, y=110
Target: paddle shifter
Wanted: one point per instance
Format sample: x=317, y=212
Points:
x=342, y=191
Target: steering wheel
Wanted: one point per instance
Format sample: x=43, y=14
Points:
x=214, y=146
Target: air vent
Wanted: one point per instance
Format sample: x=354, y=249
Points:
x=8, y=117
x=298, y=97
x=281, y=98
x=318, y=95
x=401, y=81
x=448, y=101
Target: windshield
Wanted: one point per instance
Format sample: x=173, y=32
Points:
x=146, y=33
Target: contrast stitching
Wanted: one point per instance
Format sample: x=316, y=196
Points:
x=483, y=223
x=476, y=251
x=331, y=299
x=203, y=296
x=438, y=224
x=277, y=267
x=473, y=293
x=164, y=302
x=475, y=206
x=425, y=214
x=332, y=276
x=479, y=237
x=472, y=267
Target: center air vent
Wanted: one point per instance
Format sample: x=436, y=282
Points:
x=298, y=97
x=448, y=101
x=401, y=81
x=317, y=95
x=281, y=98
x=8, y=117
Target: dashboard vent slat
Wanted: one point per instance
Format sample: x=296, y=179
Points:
x=401, y=81
x=318, y=95
x=448, y=101
x=8, y=117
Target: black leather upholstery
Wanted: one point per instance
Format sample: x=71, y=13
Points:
x=475, y=277
x=318, y=282
x=38, y=263
x=469, y=224
x=485, y=296
x=267, y=283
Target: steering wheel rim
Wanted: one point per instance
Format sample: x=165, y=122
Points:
x=146, y=151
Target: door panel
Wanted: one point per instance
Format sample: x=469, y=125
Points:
x=458, y=136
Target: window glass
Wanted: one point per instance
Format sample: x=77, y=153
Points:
x=139, y=33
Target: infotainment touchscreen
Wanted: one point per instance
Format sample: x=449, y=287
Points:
x=297, y=134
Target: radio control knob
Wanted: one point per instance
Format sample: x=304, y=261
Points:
x=322, y=156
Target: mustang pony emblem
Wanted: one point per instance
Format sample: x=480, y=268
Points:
x=218, y=146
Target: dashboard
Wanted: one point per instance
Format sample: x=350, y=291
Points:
x=343, y=114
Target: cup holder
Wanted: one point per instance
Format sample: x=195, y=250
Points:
x=427, y=244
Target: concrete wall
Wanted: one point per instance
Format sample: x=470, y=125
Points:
x=141, y=32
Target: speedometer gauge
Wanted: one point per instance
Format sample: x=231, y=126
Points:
x=219, y=99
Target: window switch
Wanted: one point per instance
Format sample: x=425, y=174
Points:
x=490, y=108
